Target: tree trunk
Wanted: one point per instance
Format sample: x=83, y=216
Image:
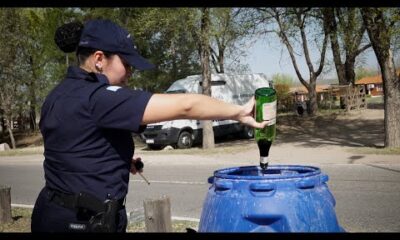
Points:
x=208, y=133
x=32, y=98
x=32, y=118
x=174, y=63
x=391, y=86
x=312, y=94
x=331, y=26
x=10, y=132
x=221, y=60
x=3, y=124
x=378, y=32
x=349, y=70
x=5, y=204
x=341, y=73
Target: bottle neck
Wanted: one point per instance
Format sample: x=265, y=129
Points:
x=263, y=160
x=263, y=147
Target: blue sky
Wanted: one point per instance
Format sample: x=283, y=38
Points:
x=273, y=57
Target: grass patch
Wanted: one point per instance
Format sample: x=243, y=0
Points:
x=22, y=223
x=375, y=100
x=177, y=226
x=373, y=150
x=23, y=151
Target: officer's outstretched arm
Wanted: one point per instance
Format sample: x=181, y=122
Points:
x=164, y=107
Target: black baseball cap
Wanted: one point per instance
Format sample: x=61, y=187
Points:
x=107, y=36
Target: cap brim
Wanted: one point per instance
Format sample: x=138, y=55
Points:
x=137, y=61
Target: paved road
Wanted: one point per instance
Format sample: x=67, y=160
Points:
x=367, y=195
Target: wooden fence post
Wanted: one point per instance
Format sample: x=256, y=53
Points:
x=157, y=214
x=5, y=204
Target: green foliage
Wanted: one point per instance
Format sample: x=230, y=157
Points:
x=167, y=39
x=12, y=66
x=350, y=28
x=281, y=78
x=365, y=72
x=284, y=98
x=164, y=36
x=282, y=84
x=231, y=29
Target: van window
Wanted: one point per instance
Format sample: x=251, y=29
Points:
x=215, y=83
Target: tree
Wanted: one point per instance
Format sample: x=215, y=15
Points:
x=165, y=37
x=12, y=68
x=281, y=78
x=162, y=35
x=364, y=72
x=282, y=84
x=208, y=133
x=32, y=31
x=44, y=64
x=381, y=26
x=292, y=24
x=344, y=25
x=229, y=26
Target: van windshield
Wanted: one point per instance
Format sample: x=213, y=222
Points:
x=176, y=91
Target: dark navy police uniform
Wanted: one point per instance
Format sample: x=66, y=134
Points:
x=87, y=130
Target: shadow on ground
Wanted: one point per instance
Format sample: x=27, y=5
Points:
x=324, y=129
x=330, y=130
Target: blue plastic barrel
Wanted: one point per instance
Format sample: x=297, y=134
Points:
x=284, y=198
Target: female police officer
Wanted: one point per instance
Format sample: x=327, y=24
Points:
x=87, y=121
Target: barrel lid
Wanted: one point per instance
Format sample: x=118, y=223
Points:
x=274, y=172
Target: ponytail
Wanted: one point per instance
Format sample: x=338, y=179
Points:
x=68, y=35
x=67, y=38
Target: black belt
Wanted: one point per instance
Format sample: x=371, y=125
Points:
x=80, y=200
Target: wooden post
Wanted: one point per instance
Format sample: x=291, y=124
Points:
x=5, y=204
x=158, y=215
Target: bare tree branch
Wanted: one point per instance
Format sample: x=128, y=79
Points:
x=214, y=60
x=304, y=42
x=322, y=61
x=359, y=51
x=285, y=40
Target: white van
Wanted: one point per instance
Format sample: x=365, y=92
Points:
x=184, y=133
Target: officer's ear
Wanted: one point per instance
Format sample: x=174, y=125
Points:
x=99, y=58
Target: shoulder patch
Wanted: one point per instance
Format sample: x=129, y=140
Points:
x=113, y=88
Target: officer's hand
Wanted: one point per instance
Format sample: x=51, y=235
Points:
x=136, y=165
x=246, y=115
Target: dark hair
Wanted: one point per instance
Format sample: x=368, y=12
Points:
x=67, y=36
x=67, y=39
x=83, y=53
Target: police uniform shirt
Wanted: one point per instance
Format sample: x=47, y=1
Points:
x=86, y=126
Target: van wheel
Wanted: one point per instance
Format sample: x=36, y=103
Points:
x=247, y=132
x=185, y=140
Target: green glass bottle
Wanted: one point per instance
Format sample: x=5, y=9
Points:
x=265, y=110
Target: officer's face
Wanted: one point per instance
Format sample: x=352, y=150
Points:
x=117, y=71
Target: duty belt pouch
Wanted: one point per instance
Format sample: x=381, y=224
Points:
x=106, y=220
x=105, y=213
